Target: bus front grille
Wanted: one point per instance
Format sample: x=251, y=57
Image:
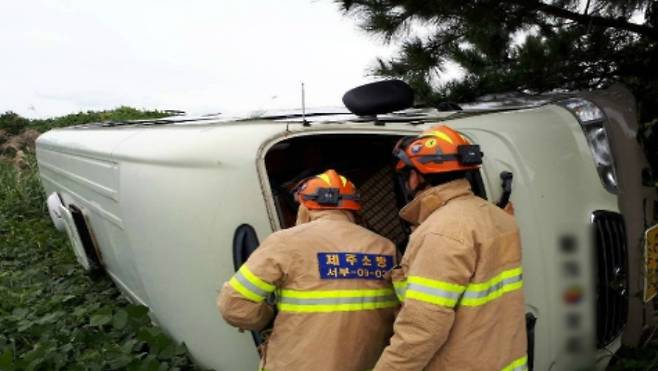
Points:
x=612, y=275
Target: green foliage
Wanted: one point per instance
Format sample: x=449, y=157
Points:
x=21, y=195
x=568, y=44
x=628, y=359
x=52, y=315
x=572, y=44
x=13, y=123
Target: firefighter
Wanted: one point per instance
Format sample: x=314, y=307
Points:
x=327, y=274
x=460, y=279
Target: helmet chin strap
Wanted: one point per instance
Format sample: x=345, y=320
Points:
x=404, y=196
x=421, y=183
x=407, y=193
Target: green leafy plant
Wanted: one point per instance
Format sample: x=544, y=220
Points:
x=53, y=316
x=13, y=123
x=523, y=46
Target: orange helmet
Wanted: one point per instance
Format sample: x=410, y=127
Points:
x=437, y=150
x=328, y=191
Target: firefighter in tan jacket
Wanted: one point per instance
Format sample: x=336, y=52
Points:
x=460, y=277
x=335, y=308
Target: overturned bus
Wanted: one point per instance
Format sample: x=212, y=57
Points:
x=170, y=208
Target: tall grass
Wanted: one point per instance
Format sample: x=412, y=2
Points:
x=53, y=316
x=21, y=195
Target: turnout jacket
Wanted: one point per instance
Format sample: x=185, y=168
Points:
x=336, y=309
x=461, y=286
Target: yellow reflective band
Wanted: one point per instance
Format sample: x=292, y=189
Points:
x=343, y=180
x=239, y=287
x=400, y=289
x=496, y=279
x=249, y=285
x=256, y=281
x=320, y=294
x=335, y=300
x=451, y=295
x=482, y=293
x=325, y=177
x=337, y=307
x=473, y=302
x=453, y=287
x=520, y=364
x=443, y=136
x=432, y=299
x=431, y=291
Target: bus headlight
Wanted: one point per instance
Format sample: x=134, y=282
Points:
x=592, y=120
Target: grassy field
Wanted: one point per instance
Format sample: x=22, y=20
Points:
x=52, y=315
x=55, y=317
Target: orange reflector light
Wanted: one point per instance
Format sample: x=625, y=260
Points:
x=573, y=295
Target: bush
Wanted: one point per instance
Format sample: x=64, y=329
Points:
x=12, y=123
x=122, y=113
x=53, y=316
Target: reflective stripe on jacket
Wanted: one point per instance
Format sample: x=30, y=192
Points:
x=460, y=283
x=335, y=300
x=336, y=309
x=449, y=294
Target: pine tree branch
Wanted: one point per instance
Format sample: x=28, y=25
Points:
x=595, y=20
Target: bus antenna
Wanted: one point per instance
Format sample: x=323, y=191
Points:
x=304, y=122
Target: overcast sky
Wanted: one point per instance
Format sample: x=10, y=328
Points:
x=201, y=56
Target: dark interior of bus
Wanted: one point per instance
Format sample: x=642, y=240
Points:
x=365, y=159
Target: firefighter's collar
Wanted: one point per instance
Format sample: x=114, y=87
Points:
x=427, y=201
x=305, y=215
